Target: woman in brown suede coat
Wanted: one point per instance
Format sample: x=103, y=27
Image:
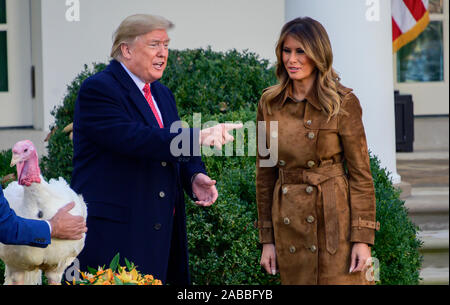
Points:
x=316, y=219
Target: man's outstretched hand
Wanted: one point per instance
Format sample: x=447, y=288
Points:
x=205, y=190
x=218, y=135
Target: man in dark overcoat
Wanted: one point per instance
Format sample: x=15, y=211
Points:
x=129, y=164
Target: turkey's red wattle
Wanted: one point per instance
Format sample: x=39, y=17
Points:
x=29, y=171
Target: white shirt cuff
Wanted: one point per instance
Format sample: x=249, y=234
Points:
x=49, y=226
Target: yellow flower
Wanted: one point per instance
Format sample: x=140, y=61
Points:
x=134, y=274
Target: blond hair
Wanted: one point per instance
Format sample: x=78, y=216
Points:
x=135, y=25
x=316, y=45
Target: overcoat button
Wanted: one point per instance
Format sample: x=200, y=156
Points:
x=286, y=221
x=310, y=219
x=163, y=164
x=162, y=195
x=313, y=248
x=311, y=135
x=311, y=163
x=282, y=163
x=157, y=226
x=309, y=189
x=285, y=190
x=292, y=249
x=274, y=134
x=309, y=122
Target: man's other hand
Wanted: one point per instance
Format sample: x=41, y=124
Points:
x=204, y=189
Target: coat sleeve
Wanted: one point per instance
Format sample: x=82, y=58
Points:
x=362, y=192
x=265, y=184
x=194, y=165
x=100, y=115
x=15, y=230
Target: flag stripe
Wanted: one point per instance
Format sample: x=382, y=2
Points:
x=416, y=8
x=395, y=30
x=409, y=19
x=402, y=15
x=409, y=36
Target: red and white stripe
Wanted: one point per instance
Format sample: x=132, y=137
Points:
x=409, y=18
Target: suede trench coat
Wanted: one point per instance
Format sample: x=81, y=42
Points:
x=309, y=205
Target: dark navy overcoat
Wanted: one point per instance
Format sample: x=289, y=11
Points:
x=130, y=178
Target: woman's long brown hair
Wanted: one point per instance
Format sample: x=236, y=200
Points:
x=316, y=45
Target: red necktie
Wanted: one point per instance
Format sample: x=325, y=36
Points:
x=148, y=97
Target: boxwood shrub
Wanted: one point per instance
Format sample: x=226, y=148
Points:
x=223, y=242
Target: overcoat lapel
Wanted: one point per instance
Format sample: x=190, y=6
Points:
x=134, y=94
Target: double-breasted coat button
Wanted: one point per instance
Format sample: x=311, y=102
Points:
x=309, y=122
x=162, y=194
x=313, y=248
x=282, y=163
x=311, y=135
x=157, y=226
x=309, y=189
x=310, y=219
x=163, y=164
x=311, y=163
x=292, y=249
x=286, y=221
x=285, y=190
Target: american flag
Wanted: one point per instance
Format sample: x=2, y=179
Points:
x=409, y=19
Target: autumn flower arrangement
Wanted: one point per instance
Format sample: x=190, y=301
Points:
x=116, y=275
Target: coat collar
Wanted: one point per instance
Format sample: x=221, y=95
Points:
x=310, y=98
x=136, y=95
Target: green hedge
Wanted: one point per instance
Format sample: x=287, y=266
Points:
x=223, y=243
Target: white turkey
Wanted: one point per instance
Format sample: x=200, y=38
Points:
x=32, y=197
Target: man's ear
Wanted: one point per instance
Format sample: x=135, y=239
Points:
x=125, y=50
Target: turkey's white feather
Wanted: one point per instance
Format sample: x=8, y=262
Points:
x=41, y=199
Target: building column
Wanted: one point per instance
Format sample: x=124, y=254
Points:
x=361, y=37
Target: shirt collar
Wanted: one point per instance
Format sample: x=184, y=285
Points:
x=139, y=83
x=311, y=97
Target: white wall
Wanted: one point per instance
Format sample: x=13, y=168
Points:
x=363, y=57
x=67, y=46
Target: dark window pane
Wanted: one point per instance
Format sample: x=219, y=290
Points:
x=436, y=6
x=422, y=60
x=3, y=63
x=2, y=11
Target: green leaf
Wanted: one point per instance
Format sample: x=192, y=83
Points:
x=129, y=265
x=92, y=270
x=117, y=280
x=115, y=262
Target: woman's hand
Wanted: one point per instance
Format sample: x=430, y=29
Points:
x=360, y=255
x=269, y=258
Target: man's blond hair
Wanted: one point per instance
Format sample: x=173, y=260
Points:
x=135, y=25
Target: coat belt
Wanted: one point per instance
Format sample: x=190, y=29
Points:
x=323, y=178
